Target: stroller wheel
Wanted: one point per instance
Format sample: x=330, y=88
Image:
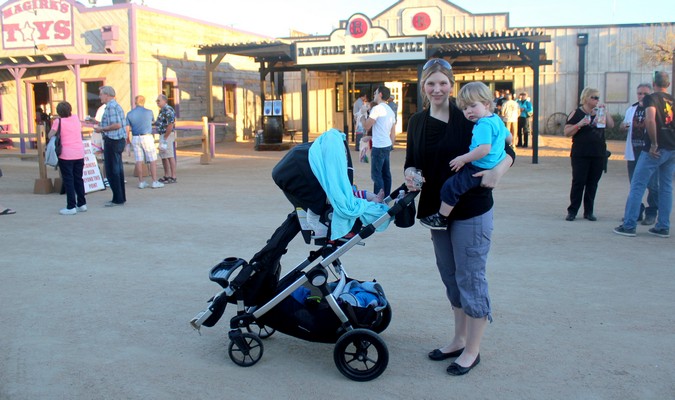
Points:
x=384, y=321
x=245, y=349
x=262, y=331
x=361, y=355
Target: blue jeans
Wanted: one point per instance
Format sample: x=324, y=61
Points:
x=644, y=169
x=71, y=173
x=652, y=187
x=461, y=257
x=380, y=171
x=114, y=169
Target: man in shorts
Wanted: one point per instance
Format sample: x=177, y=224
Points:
x=139, y=134
x=166, y=123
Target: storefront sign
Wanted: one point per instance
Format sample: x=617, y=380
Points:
x=360, y=42
x=30, y=23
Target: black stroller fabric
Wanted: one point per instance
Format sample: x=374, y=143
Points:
x=295, y=178
x=259, y=288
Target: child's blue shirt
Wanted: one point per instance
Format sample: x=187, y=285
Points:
x=490, y=130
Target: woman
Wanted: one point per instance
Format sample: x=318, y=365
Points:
x=71, y=159
x=589, y=152
x=437, y=135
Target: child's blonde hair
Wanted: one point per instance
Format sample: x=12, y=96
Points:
x=474, y=92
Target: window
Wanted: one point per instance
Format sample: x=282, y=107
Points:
x=229, y=104
x=169, y=89
x=367, y=88
x=92, y=101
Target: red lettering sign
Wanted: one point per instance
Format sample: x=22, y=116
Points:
x=421, y=21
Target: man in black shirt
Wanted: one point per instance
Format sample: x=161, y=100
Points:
x=661, y=156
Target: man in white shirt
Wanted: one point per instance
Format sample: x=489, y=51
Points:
x=510, y=113
x=382, y=120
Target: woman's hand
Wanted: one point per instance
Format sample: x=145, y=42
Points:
x=491, y=177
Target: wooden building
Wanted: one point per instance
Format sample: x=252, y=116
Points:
x=61, y=50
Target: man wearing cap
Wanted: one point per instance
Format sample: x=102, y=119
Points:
x=524, y=119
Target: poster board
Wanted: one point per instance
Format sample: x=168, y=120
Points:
x=616, y=86
x=91, y=174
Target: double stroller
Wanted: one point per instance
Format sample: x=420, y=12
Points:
x=316, y=301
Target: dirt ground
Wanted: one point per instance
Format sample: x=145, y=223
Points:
x=96, y=306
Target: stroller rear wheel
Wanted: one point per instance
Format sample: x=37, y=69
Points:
x=262, y=331
x=361, y=355
x=245, y=349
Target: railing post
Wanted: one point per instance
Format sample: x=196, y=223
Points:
x=206, y=153
x=43, y=185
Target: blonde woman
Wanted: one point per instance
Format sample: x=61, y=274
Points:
x=589, y=152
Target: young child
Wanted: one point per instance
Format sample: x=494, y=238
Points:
x=486, y=150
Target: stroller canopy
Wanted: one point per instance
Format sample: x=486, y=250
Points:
x=328, y=162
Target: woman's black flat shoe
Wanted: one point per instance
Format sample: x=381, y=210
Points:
x=456, y=369
x=590, y=217
x=570, y=217
x=438, y=355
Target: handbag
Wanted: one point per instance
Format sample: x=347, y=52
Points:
x=51, y=158
x=57, y=143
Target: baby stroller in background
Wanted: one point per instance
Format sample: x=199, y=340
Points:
x=316, y=301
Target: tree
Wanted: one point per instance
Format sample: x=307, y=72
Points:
x=657, y=52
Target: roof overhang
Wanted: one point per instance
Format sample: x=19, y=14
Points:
x=56, y=60
x=466, y=51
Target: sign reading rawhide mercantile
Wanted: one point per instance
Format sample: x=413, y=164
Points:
x=360, y=42
x=26, y=24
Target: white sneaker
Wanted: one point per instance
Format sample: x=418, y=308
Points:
x=82, y=208
x=68, y=211
x=143, y=185
x=157, y=185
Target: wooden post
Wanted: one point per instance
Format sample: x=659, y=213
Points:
x=43, y=185
x=206, y=153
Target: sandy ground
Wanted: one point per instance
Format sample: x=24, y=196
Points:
x=96, y=306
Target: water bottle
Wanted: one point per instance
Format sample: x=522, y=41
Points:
x=600, y=118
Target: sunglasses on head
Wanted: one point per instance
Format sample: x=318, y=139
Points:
x=439, y=61
x=595, y=97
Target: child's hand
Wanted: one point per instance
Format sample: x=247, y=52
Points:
x=380, y=196
x=457, y=164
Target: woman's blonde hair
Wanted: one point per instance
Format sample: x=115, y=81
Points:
x=587, y=93
x=474, y=92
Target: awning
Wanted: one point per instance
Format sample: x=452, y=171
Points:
x=56, y=60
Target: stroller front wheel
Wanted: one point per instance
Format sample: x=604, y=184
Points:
x=361, y=355
x=245, y=349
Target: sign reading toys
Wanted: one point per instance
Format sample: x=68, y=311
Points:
x=360, y=42
x=28, y=23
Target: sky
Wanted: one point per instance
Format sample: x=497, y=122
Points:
x=277, y=17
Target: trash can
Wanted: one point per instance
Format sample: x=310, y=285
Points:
x=273, y=130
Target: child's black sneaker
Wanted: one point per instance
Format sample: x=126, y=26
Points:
x=436, y=222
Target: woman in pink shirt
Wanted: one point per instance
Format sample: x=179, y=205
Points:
x=71, y=159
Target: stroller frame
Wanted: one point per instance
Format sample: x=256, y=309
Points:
x=359, y=354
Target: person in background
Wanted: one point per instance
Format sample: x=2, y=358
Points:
x=166, y=124
x=637, y=140
x=71, y=159
x=392, y=104
x=437, y=135
x=139, y=135
x=524, y=120
x=660, y=123
x=112, y=128
x=510, y=113
x=383, y=123
x=498, y=101
x=588, y=154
